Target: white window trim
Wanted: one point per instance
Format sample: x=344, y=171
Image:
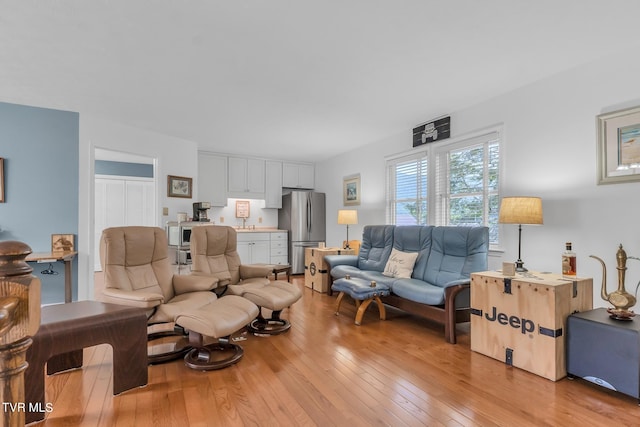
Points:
x=432, y=151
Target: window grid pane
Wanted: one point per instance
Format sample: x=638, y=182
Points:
x=472, y=191
x=409, y=198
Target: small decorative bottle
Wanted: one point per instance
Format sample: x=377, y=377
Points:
x=569, y=262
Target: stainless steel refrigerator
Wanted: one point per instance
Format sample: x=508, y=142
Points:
x=303, y=216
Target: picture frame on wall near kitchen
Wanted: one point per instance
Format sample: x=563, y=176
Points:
x=619, y=146
x=243, y=208
x=179, y=186
x=351, y=190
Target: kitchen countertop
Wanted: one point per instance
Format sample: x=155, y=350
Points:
x=259, y=230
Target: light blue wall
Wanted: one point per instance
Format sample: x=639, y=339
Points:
x=40, y=147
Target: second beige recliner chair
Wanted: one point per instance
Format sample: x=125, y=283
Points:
x=214, y=253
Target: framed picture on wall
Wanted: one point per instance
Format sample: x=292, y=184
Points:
x=351, y=190
x=242, y=208
x=619, y=146
x=179, y=186
x=1, y=180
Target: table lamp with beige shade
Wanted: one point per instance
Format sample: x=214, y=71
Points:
x=347, y=217
x=520, y=210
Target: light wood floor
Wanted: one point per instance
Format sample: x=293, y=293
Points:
x=326, y=371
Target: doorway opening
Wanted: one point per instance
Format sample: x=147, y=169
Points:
x=125, y=193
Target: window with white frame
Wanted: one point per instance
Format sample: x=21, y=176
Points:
x=407, y=183
x=452, y=183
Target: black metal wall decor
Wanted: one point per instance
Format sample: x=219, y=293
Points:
x=432, y=131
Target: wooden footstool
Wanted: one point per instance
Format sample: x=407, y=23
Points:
x=363, y=292
x=65, y=329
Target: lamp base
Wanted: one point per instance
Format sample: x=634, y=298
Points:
x=520, y=266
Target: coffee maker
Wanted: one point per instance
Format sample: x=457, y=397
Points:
x=200, y=211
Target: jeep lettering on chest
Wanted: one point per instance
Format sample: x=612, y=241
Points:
x=525, y=325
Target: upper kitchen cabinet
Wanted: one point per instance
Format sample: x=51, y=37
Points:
x=246, y=177
x=212, y=179
x=298, y=175
x=273, y=184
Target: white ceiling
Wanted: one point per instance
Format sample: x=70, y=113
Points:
x=293, y=79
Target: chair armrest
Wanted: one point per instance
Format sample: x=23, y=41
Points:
x=193, y=283
x=224, y=278
x=249, y=271
x=335, y=260
x=133, y=298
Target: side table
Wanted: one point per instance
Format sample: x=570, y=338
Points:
x=604, y=351
x=316, y=269
x=521, y=319
x=67, y=258
x=66, y=329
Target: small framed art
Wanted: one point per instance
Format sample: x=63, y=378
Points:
x=351, y=190
x=243, y=208
x=619, y=146
x=62, y=243
x=179, y=186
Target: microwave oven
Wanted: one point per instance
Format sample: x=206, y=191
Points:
x=179, y=235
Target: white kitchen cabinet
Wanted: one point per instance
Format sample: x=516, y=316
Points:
x=279, y=248
x=246, y=177
x=298, y=175
x=273, y=184
x=254, y=248
x=263, y=248
x=212, y=179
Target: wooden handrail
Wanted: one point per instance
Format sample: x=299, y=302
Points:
x=19, y=321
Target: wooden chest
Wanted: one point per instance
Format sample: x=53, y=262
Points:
x=316, y=270
x=521, y=320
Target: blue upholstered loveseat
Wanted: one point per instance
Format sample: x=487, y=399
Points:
x=438, y=288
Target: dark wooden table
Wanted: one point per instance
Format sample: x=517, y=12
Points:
x=66, y=329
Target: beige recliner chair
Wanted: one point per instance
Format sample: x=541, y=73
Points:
x=137, y=272
x=214, y=253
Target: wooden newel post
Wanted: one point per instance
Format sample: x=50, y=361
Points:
x=19, y=321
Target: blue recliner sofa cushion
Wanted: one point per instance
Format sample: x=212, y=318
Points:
x=418, y=291
x=414, y=238
x=456, y=252
x=377, y=242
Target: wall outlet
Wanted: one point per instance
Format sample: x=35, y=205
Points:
x=259, y=220
x=221, y=220
x=165, y=211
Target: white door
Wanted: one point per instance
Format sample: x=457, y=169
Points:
x=121, y=201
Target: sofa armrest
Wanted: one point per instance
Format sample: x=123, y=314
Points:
x=458, y=293
x=335, y=260
x=451, y=304
x=133, y=298
x=193, y=283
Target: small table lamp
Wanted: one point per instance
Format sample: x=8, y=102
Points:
x=347, y=217
x=520, y=210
